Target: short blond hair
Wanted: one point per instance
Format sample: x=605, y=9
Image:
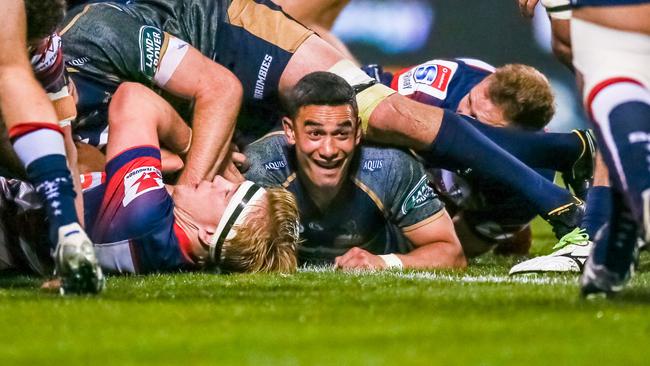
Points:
x=524, y=94
x=268, y=239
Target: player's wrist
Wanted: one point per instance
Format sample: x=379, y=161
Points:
x=392, y=261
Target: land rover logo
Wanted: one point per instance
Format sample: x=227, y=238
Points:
x=418, y=196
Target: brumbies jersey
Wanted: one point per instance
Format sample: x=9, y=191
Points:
x=140, y=41
x=579, y=3
x=130, y=217
x=441, y=83
x=387, y=194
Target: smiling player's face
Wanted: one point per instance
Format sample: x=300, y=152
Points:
x=325, y=138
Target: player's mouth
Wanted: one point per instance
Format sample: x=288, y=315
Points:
x=329, y=165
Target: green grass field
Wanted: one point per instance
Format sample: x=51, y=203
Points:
x=475, y=317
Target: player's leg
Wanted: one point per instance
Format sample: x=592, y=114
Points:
x=617, y=98
x=38, y=142
x=437, y=135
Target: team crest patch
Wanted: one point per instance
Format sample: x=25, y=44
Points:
x=141, y=181
x=151, y=42
x=418, y=196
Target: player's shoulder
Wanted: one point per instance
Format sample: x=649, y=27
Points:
x=269, y=159
x=388, y=160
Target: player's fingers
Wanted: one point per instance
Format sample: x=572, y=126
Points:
x=241, y=161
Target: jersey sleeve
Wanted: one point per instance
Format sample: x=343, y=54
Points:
x=269, y=161
x=412, y=202
x=107, y=42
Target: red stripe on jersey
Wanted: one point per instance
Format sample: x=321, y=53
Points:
x=184, y=243
x=602, y=85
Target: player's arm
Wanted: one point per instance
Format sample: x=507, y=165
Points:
x=436, y=246
x=217, y=96
x=21, y=97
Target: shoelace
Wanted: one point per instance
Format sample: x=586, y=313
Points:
x=578, y=236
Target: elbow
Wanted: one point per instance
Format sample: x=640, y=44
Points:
x=221, y=85
x=457, y=257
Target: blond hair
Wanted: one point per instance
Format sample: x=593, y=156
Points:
x=524, y=94
x=268, y=239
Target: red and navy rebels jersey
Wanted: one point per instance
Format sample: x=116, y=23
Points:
x=440, y=83
x=131, y=217
x=48, y=65
x=578, y=3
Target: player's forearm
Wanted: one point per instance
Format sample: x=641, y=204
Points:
x=401, y=121
x=21, y=97
x=435, y=255
x=215, y=115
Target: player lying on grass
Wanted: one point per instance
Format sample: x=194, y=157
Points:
x=269, y=53
x=36, y=137
x=360, y=206
x=140, y=228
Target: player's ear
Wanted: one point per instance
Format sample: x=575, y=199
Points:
x=358, y=133
x=289, y=132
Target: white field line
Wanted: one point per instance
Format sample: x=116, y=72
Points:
x=442, y=277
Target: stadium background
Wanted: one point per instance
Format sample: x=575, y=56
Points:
x=407, y=32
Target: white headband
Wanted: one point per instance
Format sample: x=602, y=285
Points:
x=241, y=203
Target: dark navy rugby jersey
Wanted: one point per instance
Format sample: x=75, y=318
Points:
x=112, y=42
x=440, y=82
x=387, y=194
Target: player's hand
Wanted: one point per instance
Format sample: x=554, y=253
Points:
x=357, y=258
x=527, y=7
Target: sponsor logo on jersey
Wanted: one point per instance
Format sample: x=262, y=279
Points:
x=261, y=77
x=80, y=61
x=151, y=41
x=436, y=76
x=275, y=165
x=371, y=165
x=432, y=78
x=141, y=181
x=418, y=196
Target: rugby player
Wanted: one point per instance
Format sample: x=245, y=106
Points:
x=269, y=53
x=610, y=43
x=141, y=226
x=514, y=96
x=38, y=140
x=361, y=206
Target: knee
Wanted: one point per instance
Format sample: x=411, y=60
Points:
x=131, y=101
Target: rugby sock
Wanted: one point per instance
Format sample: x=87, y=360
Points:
x=598, y=211
x=556, y=151
x=41, y=148
x=621, y=110
x=461, y=146
x=615, y=243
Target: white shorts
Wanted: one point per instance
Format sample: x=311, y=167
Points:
x=601, y=53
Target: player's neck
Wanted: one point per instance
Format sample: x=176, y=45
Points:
x=185, y=222
x=322, y=197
